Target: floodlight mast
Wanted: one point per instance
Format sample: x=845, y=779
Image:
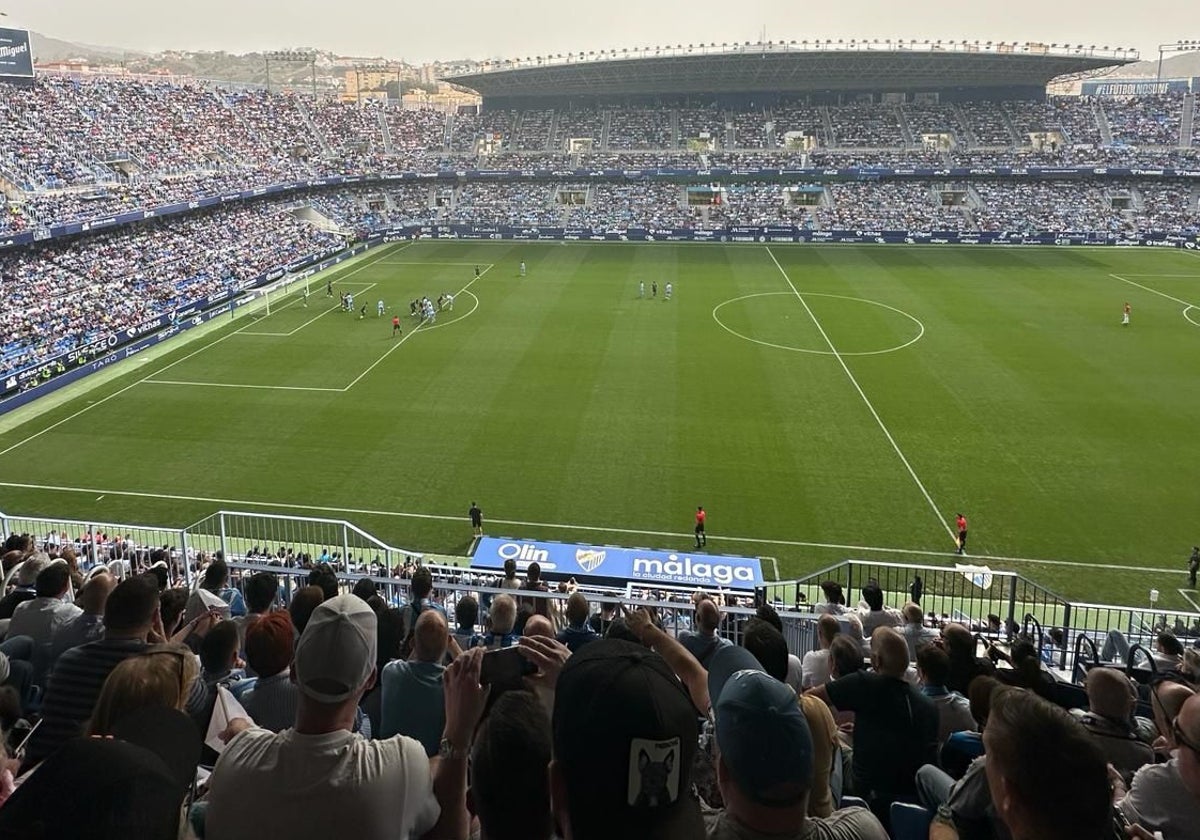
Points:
x=1174, y=47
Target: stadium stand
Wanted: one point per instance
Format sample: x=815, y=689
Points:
x=631, y=650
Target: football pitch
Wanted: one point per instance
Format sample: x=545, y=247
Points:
x=821, y=402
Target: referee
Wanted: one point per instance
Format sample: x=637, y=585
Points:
x=701, y=537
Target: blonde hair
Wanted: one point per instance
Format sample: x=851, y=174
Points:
x=160, y=676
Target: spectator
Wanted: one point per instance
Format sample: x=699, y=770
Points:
x=765, y=763
x=1026, y=671
x=1047, y=776
x=795, y=668
x=964, y=746
x=216, y=581
x=703, y=642
x=764, y=649
x=325, y=577
x=510, y=579
x=261, y=591
x=172, y=603
x=954, y=710
x=817, y=664
x=271, y=701
x=26, y=584
x=466, y=620
x=895, y=725
x=41, y=617
x=1167, y=699
x=578, y=632
x=845, y=658
x=835, y=599
x=501, y=620
x=601, y=621
x=88, y=626
x=389, y=638
x=1166, y=797
x=914, y=630
x=364, y=588
x=1111, y=701
x=304, y=603
x=534, y=583
x=368, y=790
x=161, y=676
x=510, y=792
x=130, y=619
x=965, y=665
x=625, y=738
x=876, y=615
x=413, y=702
x=421, y=587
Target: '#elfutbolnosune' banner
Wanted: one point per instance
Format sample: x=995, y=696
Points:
x=16, y=57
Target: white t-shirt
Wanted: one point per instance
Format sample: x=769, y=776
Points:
x=815, y=669
x=320, y=786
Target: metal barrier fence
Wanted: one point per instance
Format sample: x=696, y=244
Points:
x=451, y=583
x=295, y=538
x=997, y=604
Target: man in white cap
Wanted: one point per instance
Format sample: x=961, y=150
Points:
x=319, y=779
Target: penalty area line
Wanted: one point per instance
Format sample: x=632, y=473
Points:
x=598, y=529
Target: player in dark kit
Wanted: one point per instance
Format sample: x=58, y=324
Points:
x=961, y=522
x=1193, y=566
x=328, y=288
x=701, y=537
x=654, y=289
x=396, y=326
x=476, y=272
x=476, y=519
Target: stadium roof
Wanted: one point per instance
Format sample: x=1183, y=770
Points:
x=789, y=67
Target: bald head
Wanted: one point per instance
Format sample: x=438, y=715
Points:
x=1109, y=693
x=503, y=614
x=1169, y=698
x=95, y=592
x=708, y=616
x=539, y=625
x=889, y=652
x=430, y=637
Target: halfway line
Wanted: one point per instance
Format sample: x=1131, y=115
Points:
x=861, y=393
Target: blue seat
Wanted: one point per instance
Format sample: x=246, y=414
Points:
x=910, y=822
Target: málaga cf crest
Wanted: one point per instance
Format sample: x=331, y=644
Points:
x=588, y=558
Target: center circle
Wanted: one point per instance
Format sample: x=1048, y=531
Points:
x=769, y=321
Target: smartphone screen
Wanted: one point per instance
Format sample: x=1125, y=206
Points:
x=504, y=667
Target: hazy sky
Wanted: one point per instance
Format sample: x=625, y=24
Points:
x=422, y=31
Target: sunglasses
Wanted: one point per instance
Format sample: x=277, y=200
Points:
x=1180, y=739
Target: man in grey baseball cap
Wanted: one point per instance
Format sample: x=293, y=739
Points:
x=319, y=779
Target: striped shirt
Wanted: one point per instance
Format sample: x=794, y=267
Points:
x=271, y=703
x=73, y=688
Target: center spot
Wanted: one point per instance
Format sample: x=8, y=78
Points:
x=855, y=326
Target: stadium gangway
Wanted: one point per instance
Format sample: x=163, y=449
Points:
x=238, y=534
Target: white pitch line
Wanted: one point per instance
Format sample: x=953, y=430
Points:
x=1187, y=303
x=462, y=264
x=237, y=385
x=365, y=288
x=415, y=330
x=865, y=399
x=149, y=376
x=563, y=526
x=1189, y=598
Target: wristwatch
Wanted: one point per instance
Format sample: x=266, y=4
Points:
x=448, y=750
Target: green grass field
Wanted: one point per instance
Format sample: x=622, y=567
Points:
x=993, y=381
